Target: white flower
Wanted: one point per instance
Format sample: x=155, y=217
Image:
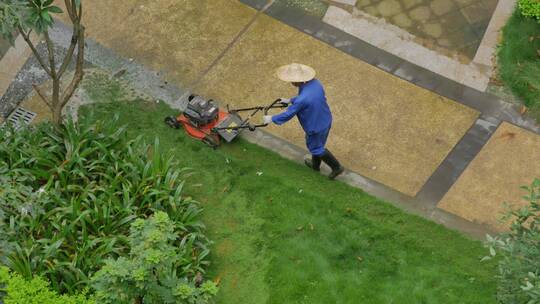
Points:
x=40, y=191
x=24, y=210
x=259, y=173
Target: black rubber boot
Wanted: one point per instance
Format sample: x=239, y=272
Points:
x=333, y=163
x=314, y=163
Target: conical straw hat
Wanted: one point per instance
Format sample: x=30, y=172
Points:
x=295, y=72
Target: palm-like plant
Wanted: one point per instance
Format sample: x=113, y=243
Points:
x=70, y=192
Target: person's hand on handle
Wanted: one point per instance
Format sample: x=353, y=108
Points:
x=285, y=100
x=267, y=119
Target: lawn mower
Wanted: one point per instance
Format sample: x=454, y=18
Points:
x=204, y=121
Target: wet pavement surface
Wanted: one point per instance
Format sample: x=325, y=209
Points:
x=508, y=161
x=4, y=46
x=455, y=25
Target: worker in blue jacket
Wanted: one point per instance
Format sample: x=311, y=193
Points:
x=312, y=110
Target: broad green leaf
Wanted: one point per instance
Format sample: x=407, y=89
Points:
x=46, y=16
x=55, y=10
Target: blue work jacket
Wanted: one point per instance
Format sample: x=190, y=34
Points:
x=311, y=108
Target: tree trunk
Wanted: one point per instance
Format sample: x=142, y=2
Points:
x=56, y=107
x=57, y=115
x=58, y=99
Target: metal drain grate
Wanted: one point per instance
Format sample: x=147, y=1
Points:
x=21, y=116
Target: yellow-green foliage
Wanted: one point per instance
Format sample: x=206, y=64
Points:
x=16, y=290
x=152, y=271
x=530, y=8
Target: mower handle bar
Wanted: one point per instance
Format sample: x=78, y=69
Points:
x=276, y=104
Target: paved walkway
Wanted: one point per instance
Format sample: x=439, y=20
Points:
x=455, y=25
x=400, y=133
x=4, y=46
x=409, y=139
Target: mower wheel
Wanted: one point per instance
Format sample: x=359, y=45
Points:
x=210, y=141
x=172, y=122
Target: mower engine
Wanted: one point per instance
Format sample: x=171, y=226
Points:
x=200, y=111
x=203, y=120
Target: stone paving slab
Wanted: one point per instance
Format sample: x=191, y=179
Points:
x=180, y=38
x=11, y=62
x=508, y=161
x=385, y=128
x=20, y=69
x=4, y=47
x=457, y=161
x=454, y=27
x=397, y=41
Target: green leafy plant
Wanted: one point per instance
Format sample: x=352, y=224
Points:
x=155, y=271
x=70, y=192
x=27, y=16
x=519, y=269
x=530, y=8
x=14, y=289
x=518, y=64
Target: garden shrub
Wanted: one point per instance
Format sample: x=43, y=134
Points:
x=153, y=271
x=70, y=193
x=519, y=268
x=518, y=63
x=530, y=8
x=14, y=289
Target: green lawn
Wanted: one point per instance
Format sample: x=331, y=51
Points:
x=519, y=60
x=284, y=234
